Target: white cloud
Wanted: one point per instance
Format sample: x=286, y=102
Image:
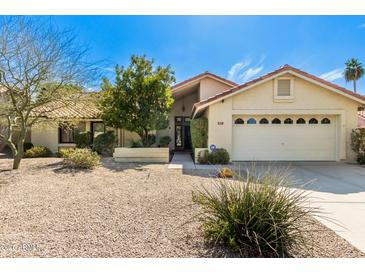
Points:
x=332, y=75
x=250, y=73
x=236, y=68
x=241, y=72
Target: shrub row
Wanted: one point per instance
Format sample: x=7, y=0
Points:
x=217, y=156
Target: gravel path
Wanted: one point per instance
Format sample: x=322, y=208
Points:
x=117, y=210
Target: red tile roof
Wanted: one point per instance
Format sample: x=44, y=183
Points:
x=202, y=75
x=270, y=74
x=83, y=108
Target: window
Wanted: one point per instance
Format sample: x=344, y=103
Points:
x=251, y=121
x=284, y=87
x=239, y=121
x=66, y=134
x=313, y=121
x=276, y=121
x=288, y=121
x=264, y=121
x=300, y=121
x=97, y=128
x=325, y=121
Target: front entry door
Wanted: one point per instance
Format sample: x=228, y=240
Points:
x=182, y=133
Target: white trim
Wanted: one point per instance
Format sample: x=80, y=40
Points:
x=192, y=82
x=280, y=98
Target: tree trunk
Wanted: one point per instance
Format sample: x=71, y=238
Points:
x=17, y=158
x=355, y=86
x=20, y=148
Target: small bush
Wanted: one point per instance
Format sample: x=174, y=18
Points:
x=217, y=156
x=104, y=143
x=82, y=158
x=135, y=144
x=83, y=139
x=165, y=141
x=37, y=152
x=225, y=173
x=199, y=132
x=257, y=215
x=64, y=152
x=151, y=139
x=203, y=157
x=358, y=144
x=27, y=146
x=360, y=158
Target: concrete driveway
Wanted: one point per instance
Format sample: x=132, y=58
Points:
x=338, y=189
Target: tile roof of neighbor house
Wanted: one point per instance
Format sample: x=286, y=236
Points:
x=84, y=108
x=203, y=75
x=270, y=74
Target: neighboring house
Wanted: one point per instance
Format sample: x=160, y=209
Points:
x=285, y=115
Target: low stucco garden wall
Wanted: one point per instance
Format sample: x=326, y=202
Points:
x=141, y=155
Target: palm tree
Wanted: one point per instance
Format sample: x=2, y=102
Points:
x=353, y=71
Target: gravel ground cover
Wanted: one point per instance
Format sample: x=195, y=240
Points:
x=116, y=210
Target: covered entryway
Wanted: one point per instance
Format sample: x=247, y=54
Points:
x=284, y=138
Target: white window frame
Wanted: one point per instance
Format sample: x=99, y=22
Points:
x=278, y=98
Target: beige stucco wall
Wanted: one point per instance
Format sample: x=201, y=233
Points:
x=210, y=87
x=309, y=99
x=46, y=134
x=177, y=110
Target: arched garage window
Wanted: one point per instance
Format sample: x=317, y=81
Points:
x=325, y=121
x=300, y=121
x=276, y=121
x=251, y=121
x=288, y=121
x=264, y=121
x=313, y=121
x=239, y=121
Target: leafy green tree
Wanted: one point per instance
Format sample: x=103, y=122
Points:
x=353, y=71
x=140, y=99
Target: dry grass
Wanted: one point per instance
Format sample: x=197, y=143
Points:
x=116, y=210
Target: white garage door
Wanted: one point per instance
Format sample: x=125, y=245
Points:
x=295, y=138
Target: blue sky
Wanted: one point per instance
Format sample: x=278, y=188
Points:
x=237, y=47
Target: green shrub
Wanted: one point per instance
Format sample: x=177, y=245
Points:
x=165, y=141
x=199, y=132
x=361, y=158
x=217, y=156
x=135, y=144
x=104, y=143
x=37, y=152
x=151, y=139
x=257, y=215
x=203, y=157
x=358, y=144
x=82, y=158
x=83, y=139
x=27, y=146
x=64, y=152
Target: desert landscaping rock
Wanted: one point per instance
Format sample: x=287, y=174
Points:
x=116, y=210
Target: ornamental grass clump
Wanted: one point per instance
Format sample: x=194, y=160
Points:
x=256, y=215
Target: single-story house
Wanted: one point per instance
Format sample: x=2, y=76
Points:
x=284, y=115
